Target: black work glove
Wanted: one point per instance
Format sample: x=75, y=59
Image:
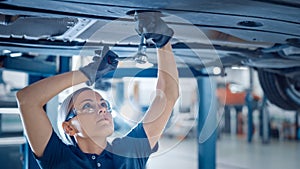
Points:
x=153, y=27
x=100, y=66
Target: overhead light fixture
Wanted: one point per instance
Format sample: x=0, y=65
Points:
x=9, y=111
x=17, y=54
x=5, y=51
x=239, y=68
x=217, y=70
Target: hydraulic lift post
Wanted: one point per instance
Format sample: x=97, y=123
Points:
x=207, y=123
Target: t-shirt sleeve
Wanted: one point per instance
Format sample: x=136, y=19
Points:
x=135, y=144
x=53, y=153
x=139, y=132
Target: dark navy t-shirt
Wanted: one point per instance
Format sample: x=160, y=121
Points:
x=129, y=152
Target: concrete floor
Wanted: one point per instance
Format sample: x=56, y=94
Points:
x=232, y=153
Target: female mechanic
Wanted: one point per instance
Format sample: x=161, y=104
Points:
x=85, y=119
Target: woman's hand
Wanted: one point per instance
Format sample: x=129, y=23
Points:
x=100, y=66
x=153, y=27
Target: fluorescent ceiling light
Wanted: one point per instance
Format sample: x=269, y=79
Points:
x=9, y=111
x=15, y=54
x=239, y=68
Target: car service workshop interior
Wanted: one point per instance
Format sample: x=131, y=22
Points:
x=238, y=64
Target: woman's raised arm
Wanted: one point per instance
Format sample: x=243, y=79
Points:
x=31, y=100
x=151, y=26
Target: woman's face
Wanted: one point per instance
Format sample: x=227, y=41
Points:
x=93, y=119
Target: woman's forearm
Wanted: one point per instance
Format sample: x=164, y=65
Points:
x=39, y=93
x=167, y=72
x=167, y=93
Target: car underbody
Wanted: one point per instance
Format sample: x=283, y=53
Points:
x=260, y=34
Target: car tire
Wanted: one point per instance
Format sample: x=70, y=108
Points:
x=281, y=90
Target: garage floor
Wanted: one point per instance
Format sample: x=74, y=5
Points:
x=232, y=153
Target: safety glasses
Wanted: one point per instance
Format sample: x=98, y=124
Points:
x=89, y=108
